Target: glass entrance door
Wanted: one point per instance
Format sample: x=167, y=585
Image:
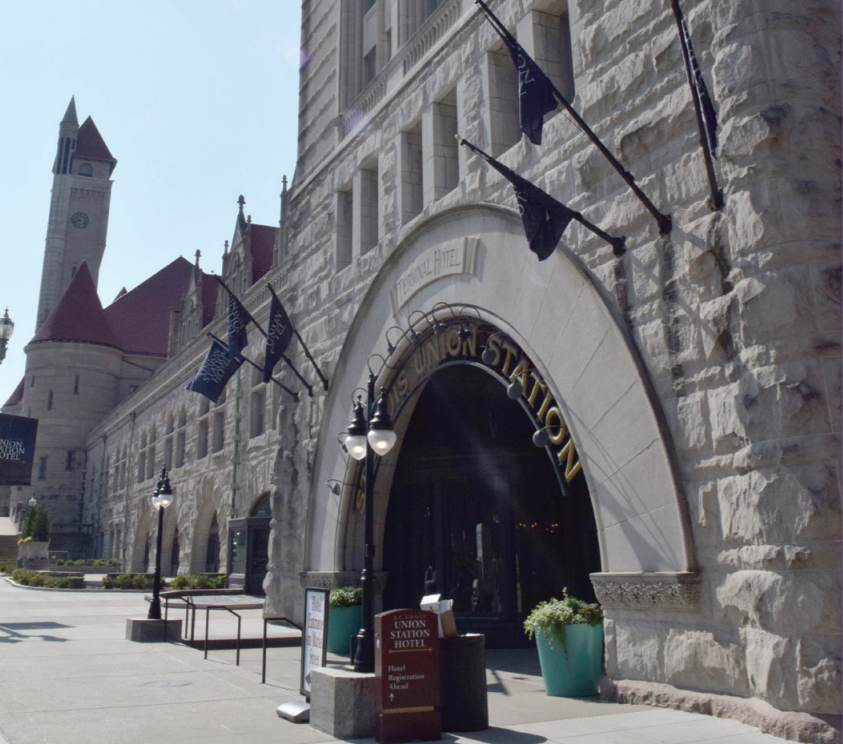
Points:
x=476, y=514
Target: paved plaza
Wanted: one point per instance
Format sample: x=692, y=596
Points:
x=68, y=676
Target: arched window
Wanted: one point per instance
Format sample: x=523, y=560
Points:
x=262, y=507
x=86, y=169
x=212, y=550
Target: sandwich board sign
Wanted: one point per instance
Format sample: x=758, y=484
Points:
x=313, y=636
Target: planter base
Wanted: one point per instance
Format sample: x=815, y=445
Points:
x=144, y=630
x=577, y=673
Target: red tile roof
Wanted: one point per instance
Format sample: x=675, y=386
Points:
x=141, y=318
x=16, y=396
x=90, y=144
x=210, y=291
x=78, y=316
x=263, y=245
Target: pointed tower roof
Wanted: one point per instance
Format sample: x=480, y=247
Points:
x=78, y=316
x=17, y=396
x=91, y=146
x=141, y=317
x=262, y=245
x=70, y=114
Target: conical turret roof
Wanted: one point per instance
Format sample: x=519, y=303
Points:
x=90, y=145
x=79, y=316
x=70, y=114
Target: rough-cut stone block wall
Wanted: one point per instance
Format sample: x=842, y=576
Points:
x=736, y=313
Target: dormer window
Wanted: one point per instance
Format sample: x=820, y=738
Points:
x=86, y=169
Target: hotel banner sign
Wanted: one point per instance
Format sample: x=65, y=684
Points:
x=17, y=449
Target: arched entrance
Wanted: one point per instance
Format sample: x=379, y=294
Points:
x=476, y=512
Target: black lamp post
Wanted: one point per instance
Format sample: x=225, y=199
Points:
x=370, y=433
x=6, y=329
x=161, y=498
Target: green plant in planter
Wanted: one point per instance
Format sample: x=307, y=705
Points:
x=37, y=524
x=553, y=616
x=347, y=596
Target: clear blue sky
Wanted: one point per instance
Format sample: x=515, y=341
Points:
x=197, y=100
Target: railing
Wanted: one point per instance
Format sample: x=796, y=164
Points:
x=370, y=97
x=433, y=29
x=427, y=36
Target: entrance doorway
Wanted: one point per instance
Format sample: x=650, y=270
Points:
x=476, y=513
x=248, y=553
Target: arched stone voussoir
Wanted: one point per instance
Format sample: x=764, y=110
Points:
x=564, y=320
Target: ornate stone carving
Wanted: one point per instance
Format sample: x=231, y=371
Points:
x=669, y=592
x=337, y=579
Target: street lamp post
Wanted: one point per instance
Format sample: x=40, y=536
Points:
x=6, y=329
x=161, y=498
x=370, y=433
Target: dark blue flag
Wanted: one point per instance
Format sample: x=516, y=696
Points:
x=544, y=218
x=277, y=337
x=535, y=91
x=698, y=86
x=217, y=369
x=238, y=319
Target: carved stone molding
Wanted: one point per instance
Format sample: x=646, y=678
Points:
x=337, y=579
x=667, y=592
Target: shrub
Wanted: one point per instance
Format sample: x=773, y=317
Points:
x=553, y=616
x=60, y=562
x=219, y=582
x=139, y=581
x=78, y=563
x=109, y=582
x=113, y=562
x=204, y=582
x=57, y=583
x=124, y=581
x=183, y=581
x=7, y=567
x=37, y=524
x=38, y=580
x=347, y=596
x=23, y=576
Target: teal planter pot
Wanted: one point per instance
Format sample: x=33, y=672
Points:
x=343, y=622
x=577, y=674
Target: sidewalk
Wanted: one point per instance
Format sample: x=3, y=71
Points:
x=68, y=676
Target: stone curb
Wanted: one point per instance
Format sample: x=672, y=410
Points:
x=796, y=726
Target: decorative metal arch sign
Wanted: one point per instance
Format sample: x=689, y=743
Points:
x=434, y=351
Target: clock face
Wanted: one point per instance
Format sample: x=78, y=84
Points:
x=80, y=220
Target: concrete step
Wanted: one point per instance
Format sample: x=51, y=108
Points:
x=8, y=547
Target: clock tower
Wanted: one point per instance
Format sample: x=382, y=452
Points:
x=78, y=209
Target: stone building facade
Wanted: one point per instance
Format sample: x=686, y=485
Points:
x=691, y=386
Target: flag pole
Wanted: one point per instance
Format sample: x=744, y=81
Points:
x=716, y=193
x=618, y=244
x=664, y=221
x=287, y=390
x=258, y=326
x=301, y=341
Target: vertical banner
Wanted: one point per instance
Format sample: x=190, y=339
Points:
x=313, y=636
x=17, y=449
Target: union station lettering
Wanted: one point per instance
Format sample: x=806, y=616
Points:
x=464, y=344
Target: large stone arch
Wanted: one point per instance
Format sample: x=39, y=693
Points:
x=142, y=537
x=562, y=318
x=202, y=525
